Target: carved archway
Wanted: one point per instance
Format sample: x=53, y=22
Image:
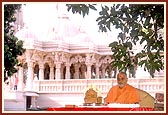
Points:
x=46, y=71
x=36, y=70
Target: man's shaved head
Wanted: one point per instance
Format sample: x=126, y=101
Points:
x=122, y=79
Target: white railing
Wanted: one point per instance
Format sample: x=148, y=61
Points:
x=151, y=85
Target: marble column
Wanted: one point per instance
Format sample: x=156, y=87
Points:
x=51, y=72
x=29, y=81
x=89, y=74
x=41, y=71
x=57, y=71
x=20, y=77
x=88, y=64
x=67, y=74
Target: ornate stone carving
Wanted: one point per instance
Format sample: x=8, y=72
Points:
x=28, y=54
x=77, y=59
x=35, y=56
x=49, y=58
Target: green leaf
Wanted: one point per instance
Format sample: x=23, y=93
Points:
x=134, y=33
x=104, y=11
x=108, y=25
x=69, y=8
x=119, y=66
x=83, y=12
x=142, y=62
x=99, y=18
x=113, y=44
x=102, y=22
x=128, y=44
x=92, y=7
x=142, y=40
x=147, y=21
x=104, y=29
x=126, y=29
x=107, y=8
x=113, y=12
x=117, y=6
x=73, y=11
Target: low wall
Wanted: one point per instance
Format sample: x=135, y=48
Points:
x=151, y=85
x=59, y=99
x=14, y=101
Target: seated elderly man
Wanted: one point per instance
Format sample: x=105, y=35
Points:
x=122, y=93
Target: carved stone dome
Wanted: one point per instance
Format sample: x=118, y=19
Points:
x=26, y=34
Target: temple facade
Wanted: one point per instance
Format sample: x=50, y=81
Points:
x=67, y=52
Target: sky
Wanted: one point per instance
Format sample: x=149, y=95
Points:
x=39, y=17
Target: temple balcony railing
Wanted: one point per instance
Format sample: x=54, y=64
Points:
x=151, y=85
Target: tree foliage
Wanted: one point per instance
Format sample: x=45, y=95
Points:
x=82, y=9
x=12, y=46
x=139, y=23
